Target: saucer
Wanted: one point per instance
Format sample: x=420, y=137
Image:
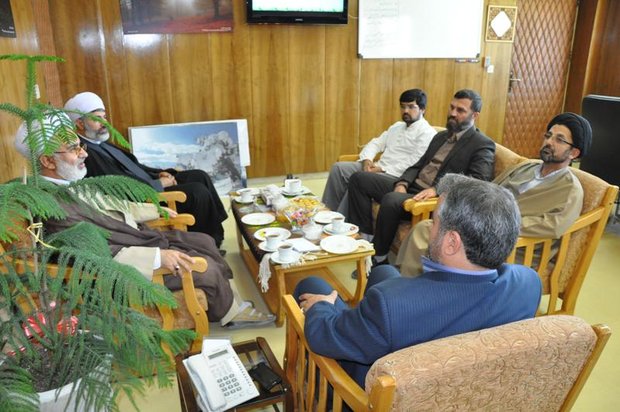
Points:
x=263, y=246
x=325, y=217
x=351, y=230
x=262, y=234
x=238, y=200
x=258, y=218
x=304, y=190
x=275, y=258
x=339, y=244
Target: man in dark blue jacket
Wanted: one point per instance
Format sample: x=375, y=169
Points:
x=465, y=285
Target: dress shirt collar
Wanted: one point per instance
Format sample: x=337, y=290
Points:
x=430, y=266
x=56, y=181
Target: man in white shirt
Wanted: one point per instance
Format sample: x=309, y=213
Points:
x=401, y=145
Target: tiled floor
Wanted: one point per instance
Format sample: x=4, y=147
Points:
x=597, y=303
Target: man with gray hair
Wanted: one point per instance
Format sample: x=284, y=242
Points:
x=465, y=285
x=131, y=242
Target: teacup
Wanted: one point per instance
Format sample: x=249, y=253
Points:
x=312, y=232
x=246, y=195
x=338, y=225
x=272, y=240
x=285, y=252
x=292, y=185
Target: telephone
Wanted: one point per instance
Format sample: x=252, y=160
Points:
x=219, y=376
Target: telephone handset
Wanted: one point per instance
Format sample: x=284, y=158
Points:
x=219, y=376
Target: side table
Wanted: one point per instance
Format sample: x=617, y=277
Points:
x=251, y=353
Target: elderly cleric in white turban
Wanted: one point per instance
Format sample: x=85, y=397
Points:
x=83, y=103
x=43, y=132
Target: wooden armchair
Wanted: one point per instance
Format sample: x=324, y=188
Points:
x=192, y=304
x=537, y=364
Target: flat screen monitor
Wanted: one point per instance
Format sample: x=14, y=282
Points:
x=297, y=11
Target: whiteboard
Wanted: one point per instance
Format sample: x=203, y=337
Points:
x=420, y=28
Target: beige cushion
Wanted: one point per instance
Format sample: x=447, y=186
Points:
x=528, y=366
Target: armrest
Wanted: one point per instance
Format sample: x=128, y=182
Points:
x=348, y=158
x=171, y=198
x=420, y=210
x=189, y=292
x=180, y=222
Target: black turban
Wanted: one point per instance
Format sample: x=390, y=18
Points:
x=579, y=128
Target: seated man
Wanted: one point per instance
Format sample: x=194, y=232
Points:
x=135, y=244
x=549, y=196
x=401, y=146
x=106, y=159
x=465, y=285
x=462, y=148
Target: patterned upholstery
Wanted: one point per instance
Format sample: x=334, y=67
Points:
x=529, y=365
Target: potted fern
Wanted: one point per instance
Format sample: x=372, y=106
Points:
x=67, y=316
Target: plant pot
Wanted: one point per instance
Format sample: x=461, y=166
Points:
x=67, y=396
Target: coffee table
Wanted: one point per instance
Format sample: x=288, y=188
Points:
x=284, y=277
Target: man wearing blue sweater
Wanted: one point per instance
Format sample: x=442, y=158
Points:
x=465, y=285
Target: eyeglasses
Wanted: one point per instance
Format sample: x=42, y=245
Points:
x=74, y=148
x=558, y=139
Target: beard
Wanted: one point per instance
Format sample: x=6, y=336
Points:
x=434, y=248
x=454, y=126
x=409, y=119
x=69, y=172
x=100, y=135
x=547, y=155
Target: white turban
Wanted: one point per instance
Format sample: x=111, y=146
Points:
x=41, y=133
x=85, y=102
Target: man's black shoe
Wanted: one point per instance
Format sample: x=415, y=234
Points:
x=222, y=252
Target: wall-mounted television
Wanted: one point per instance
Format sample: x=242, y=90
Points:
x=297, y=11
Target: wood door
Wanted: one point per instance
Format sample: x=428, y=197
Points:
x=540, y=63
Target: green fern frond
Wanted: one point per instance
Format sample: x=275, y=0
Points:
x=16, y=391
x=19, y=202
x=12, y=109
x=83, y=235
x=115, y=188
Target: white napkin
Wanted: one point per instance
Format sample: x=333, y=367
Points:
x=303, y=245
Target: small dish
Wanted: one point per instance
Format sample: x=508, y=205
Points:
x=304, y=190
x=238, y=200
x=275, y=258
x=258, y=219
x=325, y=217
x=339, y=244
x=262, y=234
x=351, y=230
x=263, y=246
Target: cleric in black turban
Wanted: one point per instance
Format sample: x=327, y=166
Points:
x=579, y=128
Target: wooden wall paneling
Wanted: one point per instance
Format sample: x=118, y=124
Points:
x=12, y=82
x=306, y=146
x=342, y=92
x=585, y=40
x=78, y=40
x=377, y=107
x=607, y=78
x=115, y=90
x=269, y=136
x=440, y=87
x=231, y=70
x=191, y=77
x=147, y=57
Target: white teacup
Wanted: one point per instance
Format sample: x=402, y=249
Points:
x=292, y=185
x=338, y=225
x=246, y=195
x=285, y=252
x=272, y=240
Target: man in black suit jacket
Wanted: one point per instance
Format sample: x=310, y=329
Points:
x=462, y=148
x=104, y=158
